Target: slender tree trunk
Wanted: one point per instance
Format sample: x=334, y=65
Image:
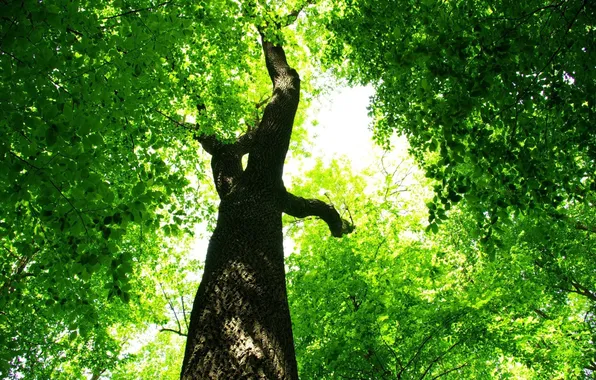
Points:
x=240, y=325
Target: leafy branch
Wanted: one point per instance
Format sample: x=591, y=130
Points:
x=71, y=205
x=55, y=187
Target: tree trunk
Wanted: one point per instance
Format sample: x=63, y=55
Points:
x=240, y=325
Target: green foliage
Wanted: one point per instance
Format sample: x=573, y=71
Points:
x=102, y=184
x=391, y=301
x=94, y=177
x=496, y=98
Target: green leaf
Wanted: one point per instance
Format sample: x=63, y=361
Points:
x=52, y=135
x=138, y=189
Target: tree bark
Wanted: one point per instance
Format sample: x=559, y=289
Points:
x=240, y=325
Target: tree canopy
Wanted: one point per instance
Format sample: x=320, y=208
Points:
x=478, y=264
x=496, y=98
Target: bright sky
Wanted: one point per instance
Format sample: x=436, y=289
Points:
x=343, y=127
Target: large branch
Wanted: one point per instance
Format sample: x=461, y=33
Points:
x=301, y=208
x=277, y=64
x=226, y=158
x=244, y=142
x=272, y=136
x=210, y=143
x=239, y=147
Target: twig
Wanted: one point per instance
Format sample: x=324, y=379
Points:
x=11, y=253
x=450, y=370
x=438, y=359
x=171, y=119
x=173, y=310
x=12, y=56
x=416, y=354
x=554, y=55
x=391, y=350
x=184, y=312
x=23, y=160
x=174, y=331
x=75, y=32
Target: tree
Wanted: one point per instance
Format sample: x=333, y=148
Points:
x=496, y=98
x=98, y=162
x=390, y=301
x=240, y=323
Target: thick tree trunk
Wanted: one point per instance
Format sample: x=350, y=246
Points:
x=240, y=325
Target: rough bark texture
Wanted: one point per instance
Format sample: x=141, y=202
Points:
x=240, y=324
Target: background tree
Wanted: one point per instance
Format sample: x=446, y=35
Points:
x=391, y=301
x=496, y=98
x=497, y=102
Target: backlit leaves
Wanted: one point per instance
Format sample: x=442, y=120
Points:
x=502, y=92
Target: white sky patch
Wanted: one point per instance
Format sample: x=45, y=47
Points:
x=338, y=125
x=343, y=128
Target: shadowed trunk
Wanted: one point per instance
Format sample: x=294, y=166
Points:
x=240, y=324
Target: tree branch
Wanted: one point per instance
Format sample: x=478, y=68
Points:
x=301, y=208
x=438, y=359
x=416, y=354
x=97, y=374
x=392, y=351
x=173, y=311
x=174, y=331
x=244, y=142
x=210, y=143
x=293, y=15
x=277, y=65
x=583, y=227
x=541, y=313
x=13, y=57
x=184, y=312
x=582, y=290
